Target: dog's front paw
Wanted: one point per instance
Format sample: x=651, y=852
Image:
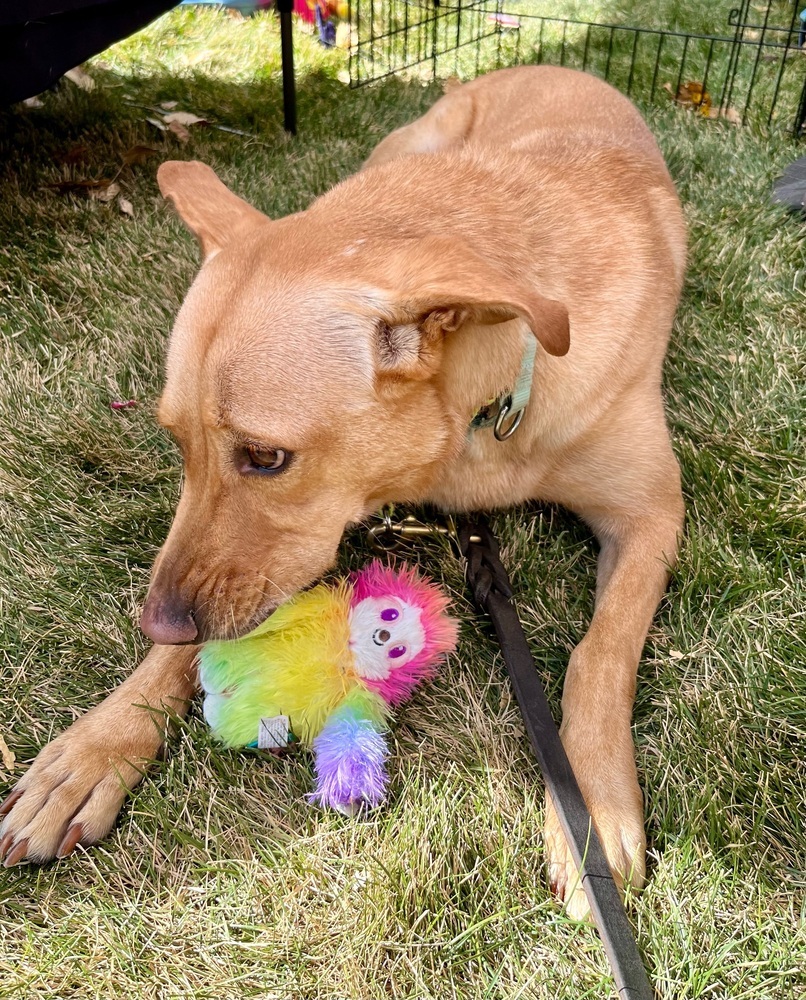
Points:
x=71, y=795
x=616, y=805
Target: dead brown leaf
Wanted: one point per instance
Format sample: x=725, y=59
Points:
x=7, y=755
x=179, y=131
x=105, y=194
x=184, y=118
x=726, y=114
x=138, y=155
x=126, y=207
x=80, y=78
x=691, y=94
x=76, y=154
x=79, y=187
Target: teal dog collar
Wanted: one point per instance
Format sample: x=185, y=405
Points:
x=505, y=413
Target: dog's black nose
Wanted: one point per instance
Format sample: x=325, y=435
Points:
x=168, y=621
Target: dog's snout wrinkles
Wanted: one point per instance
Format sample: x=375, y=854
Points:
x=168, y=620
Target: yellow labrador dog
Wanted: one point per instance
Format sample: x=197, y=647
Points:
x=332, y=361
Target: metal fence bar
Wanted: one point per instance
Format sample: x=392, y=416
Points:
x=609, y=52
x=661, y=40
x=682, y=68
x=707, y=67
x=388, y=38
x=755, y=65
x=636, y=36
x=782, y=67
x=737, y=18
x=800, y=120
x=587, y=47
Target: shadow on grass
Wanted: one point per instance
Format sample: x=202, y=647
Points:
x=86, y=133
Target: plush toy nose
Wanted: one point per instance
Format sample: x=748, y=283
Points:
x=168, y=620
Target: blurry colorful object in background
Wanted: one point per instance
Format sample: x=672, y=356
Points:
x=245, y=7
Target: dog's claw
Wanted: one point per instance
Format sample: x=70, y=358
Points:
x=5, y=843
x=558, y=879
x=17, y=853
x=8, y=805
x=70, y=841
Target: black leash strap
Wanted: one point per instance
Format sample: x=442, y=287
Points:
x=492, y=592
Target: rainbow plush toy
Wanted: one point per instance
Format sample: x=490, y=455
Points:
x=326, y=669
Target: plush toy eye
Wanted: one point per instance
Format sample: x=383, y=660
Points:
x=396, y=651
x=389, y=614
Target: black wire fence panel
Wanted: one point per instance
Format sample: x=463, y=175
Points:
x=755, y=71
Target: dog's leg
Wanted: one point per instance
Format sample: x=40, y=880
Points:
x=76, y=786
x=444, y=126
x=639, y=543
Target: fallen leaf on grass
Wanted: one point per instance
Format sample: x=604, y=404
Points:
x=33, y=102
x=80, y=187
x=179, y=131
x=138, y=155
x=104, y=190
x=726, y=114
x=169, y=105
x=508, y=21
x=126, y=206
x=184, y=118
x=105, y=194
x=236, y=131
x=690, y=94
x=8, y=756
x=160, y=124
x=80, y=78
x=76, y=154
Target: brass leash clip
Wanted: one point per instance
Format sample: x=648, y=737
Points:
x=400, y=534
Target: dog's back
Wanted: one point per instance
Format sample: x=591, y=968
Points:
x=545, y=108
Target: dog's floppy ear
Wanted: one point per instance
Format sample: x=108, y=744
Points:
x=206, y=205
x=437, y=286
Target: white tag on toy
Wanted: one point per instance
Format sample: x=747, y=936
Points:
x=272, y=733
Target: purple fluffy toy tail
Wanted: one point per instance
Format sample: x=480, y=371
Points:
x=350, y=756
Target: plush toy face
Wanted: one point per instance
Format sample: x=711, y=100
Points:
x=399, y=629
x=385, y=633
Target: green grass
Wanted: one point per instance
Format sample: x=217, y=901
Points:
x=219, y=881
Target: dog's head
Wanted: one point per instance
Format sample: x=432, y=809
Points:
x=303, y=387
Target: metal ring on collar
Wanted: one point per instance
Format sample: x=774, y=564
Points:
x=501, y=432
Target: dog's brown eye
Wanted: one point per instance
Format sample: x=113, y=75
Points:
x=268, y=460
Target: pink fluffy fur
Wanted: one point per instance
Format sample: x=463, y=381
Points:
x=441, y=631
